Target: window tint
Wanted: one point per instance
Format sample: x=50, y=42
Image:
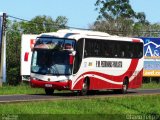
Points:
x=112, y=49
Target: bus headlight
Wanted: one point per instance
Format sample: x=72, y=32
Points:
x=64, y=81
x=33, y=78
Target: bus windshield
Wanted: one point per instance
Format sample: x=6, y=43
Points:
x=51, y=56
x=51, y=62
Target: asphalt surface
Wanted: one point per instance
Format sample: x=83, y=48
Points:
x=62, y=96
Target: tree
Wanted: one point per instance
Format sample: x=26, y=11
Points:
x=13, y=53
x=113, y=9
x=118, y=17
x=119, y=26
x=42, y=24
x=154, y=30
x=61, y=21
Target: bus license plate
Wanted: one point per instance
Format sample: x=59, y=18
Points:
x=48, y=85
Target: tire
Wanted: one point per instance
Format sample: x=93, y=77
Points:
x=125, y=86
x=85, y=87
x=49, y=91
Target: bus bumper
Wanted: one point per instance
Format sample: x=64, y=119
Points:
x=49, y=84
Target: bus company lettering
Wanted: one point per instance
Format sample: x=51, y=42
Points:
x=116, y=64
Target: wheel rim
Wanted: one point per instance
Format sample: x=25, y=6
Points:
x=84, y=88
x=125, y=87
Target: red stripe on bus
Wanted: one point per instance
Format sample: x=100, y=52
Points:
x=119, y=78
x=98, y=84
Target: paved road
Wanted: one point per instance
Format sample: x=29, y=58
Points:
x=60, y=96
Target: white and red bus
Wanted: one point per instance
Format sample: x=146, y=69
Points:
x=81, y=60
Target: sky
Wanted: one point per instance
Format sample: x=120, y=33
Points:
x=80, y=13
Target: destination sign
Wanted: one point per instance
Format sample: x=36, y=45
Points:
x=110, y=64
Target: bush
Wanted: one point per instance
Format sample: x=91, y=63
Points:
x=13, y=76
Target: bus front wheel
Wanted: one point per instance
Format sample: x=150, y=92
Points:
x=85, y=87
x=49, y=91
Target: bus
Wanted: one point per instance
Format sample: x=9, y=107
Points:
x=86, y=61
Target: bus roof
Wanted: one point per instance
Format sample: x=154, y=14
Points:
x=77, y=34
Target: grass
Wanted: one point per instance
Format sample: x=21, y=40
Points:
x=19, y=89
x=118, y=107
x=151, y=85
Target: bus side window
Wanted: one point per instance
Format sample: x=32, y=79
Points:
x=85, y=53
x=122, y=54
x=106, y=53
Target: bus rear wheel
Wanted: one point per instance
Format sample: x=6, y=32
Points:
x=49, y=91
x=125, y=86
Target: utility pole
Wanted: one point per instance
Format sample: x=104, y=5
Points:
x=3, y=50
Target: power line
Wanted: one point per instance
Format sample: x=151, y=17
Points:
x=57, y=26
x=18, y=18
x=31, y=22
